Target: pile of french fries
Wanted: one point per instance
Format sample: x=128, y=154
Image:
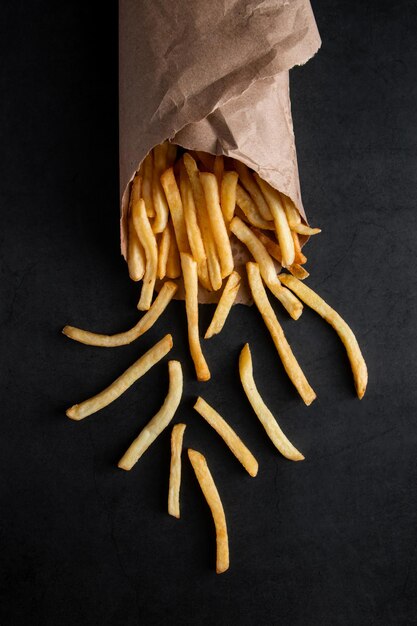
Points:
x=186, y=212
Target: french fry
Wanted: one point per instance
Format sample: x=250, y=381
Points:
x=282, y=228
x=224, y=305
x=231, y=439
x=314, y=301
x=218, y=227
x=175, y=470
x=218, y=169
x=255, y=193
x=159, y=421
x=122, y=339
x=287, y=357
x=204, y=221
x=147, y=176
x=209, y=489
x=275, y=251
x=299, y=257
x=294, y=218
x=267, y=267
x=135, y=251
x=148, y=241
x=173, y=261
x=158, y=197
x=163, y=251
x=126, y=380
x=189, y=271
x=268, y=421
x=228, y=195
x=249, y=208
x=173, y=196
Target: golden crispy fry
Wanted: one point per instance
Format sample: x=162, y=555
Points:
x=158, y=197
x=275, y=251
x=218, y=169
x=176, y=209
x=173, y=269
x=228, y=435
x=294, y=218
x=135, y=251
x=298, y=271
x=218, y=227
x=190, y=215
x=163, y=251
x=171, y=153
x=147, y=239
x=249, y=208
x=255, y=193
x=265, y=416
x=159, y=421
x=175, y=470
x=147, y=176
x=267, y=267
x=119, y=386
x=212, y=497
x=288, y=359
x=122, y=339
x=313, y=300
x=224, y=305
x=299, y=257
x=204, y=221
x=282, y=228
x=228, y=195
x=189, y=271
x=206, y=159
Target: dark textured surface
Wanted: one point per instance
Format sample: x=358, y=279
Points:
x=331, y=540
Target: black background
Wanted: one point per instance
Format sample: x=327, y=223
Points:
x=331, y=540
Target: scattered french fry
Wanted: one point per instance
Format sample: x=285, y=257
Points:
x=204, y=221
x=173, y=196
x=209, y=489
x=159, y=421
x=268, y=421
x=228, y=195
x=163, y=251
x=294, y=218
x=287, y=357
x=135, y=251
x=173, y=267
x=158, y=197
x=266, y=266
x=218, y=227
x=314, y=301
x=126, y=380
x=189, y=270
x=122, y=339
x=224, y=305
x=231, y=439
x=298, y=271
x=274, y=250
x=282, y=228
x=147, y=176
x=256, y=194
x=175, y=470
x=147, y=239
x=249, y=208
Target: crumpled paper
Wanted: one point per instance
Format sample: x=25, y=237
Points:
x=212, y=77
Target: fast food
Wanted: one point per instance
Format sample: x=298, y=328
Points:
x=122, y=339
x=226, y=432
x=148, y=241
x=175, y=470
x=228, y=195
x=209, y=489
x=314, y=301
x=158, y=196
x=126, y=380
x=159, y=421
x=268, y=421
x=135, y=251
x=224, y=305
